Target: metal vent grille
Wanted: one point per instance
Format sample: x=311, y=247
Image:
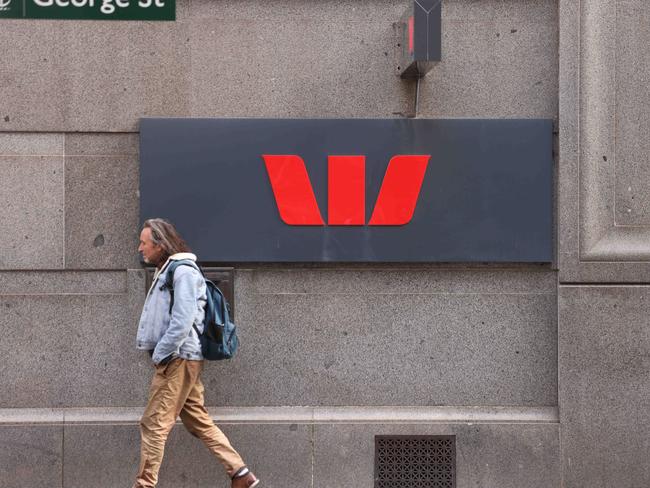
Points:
x=415, y=461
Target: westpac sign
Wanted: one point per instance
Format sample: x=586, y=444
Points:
x=346, y=190
x=352, y=190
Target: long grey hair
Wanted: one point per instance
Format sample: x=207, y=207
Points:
x=165, y=235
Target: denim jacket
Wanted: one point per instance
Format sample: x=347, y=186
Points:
x=173, y=334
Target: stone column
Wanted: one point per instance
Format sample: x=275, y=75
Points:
x=604, y=244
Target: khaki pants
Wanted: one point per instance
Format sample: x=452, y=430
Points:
x=176, y=389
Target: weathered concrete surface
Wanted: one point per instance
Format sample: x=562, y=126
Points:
x=604, y=365
x=31, y=456
x=392, y=338
x=489, y=456
x=102, y=212
x=279, y=454
x=292, y=447
x=285, y=59
x=486, y=339
x=91, y=76
x=499, y=59
x=603, y=230
x=632, y=113
x=75, y=349
x=474, y=337
x=31, y=201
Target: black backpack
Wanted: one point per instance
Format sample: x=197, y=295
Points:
x=219, y=338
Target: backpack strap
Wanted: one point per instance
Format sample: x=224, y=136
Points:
x=169, y=278
x=169, y=283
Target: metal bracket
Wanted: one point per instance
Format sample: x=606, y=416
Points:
x=224, y=278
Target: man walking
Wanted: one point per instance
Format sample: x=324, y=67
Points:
x=169, y=337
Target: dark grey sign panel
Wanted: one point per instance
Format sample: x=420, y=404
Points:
x=297, y=190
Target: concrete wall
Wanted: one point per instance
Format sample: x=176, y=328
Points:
x=604, y=341
x=483, y=346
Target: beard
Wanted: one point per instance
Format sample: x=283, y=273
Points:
x=155, y=259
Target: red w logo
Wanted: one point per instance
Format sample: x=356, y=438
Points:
x=346, y=192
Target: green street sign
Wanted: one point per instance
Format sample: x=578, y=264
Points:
x=89, y=9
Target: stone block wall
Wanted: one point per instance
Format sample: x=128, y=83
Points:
x=604, y=338
x=528, y=365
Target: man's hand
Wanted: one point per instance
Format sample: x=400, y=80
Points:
x=166, y=360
